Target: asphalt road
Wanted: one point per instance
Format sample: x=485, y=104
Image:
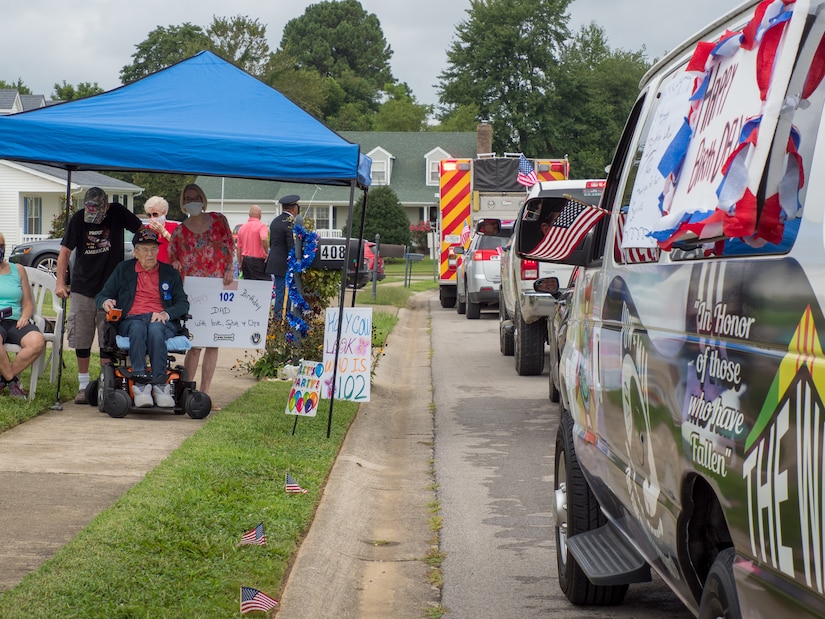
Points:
x=494, y=447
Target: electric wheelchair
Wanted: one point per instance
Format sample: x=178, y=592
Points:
x=113, y=393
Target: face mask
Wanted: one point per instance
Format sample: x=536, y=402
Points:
x=161, y=219
x=94, y=216
x=193, y=208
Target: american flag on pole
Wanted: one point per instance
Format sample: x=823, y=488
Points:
x=252, y=600
x=526, y=173
x=566, y=232
x=465, y=233
x=292, y=487
x=255, y=536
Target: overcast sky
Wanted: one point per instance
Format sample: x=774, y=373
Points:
x=44, y=42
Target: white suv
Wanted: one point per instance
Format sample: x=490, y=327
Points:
x=522, y=311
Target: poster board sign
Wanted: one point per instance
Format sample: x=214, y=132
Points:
x=352, y=380
x=232, y=317
x=306, y=390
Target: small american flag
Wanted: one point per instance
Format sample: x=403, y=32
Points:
x=255, y=536
x=526, y=174
x=465, y=233
x=252, y=600
x=566, y=232
x=292, y=486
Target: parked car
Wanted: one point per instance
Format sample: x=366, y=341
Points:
x=522, y=311
x=43, y=254
x=478, y=274
x=40, y=255
x=367, y=263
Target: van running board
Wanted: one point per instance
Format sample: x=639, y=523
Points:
x=607, y=558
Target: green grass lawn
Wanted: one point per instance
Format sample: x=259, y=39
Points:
x=168, y=547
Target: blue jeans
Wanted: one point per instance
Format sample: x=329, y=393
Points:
x=280, y=289
x=147, y=337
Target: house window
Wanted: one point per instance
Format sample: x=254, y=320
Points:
x=321, y=216
x=33, y=215
x=433, y=175
x=379, y=173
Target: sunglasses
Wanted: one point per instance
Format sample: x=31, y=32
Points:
x=154, y=214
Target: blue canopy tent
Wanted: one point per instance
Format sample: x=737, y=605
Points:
x=200, y=116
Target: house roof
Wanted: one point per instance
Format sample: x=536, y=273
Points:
x=32, y=102
x=408, y=178
x=83, y=178
x=7, y=98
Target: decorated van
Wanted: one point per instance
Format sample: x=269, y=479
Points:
x=692, y=431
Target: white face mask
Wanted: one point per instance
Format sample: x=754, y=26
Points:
x=193, y=208
x=161, y=219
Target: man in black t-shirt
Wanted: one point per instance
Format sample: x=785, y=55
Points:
x=96, y=233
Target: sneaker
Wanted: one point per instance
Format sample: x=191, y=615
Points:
x=15, y=390
x=80, y=398
x=163, y=396
x=143, y=395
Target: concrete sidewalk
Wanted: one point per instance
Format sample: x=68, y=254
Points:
x=59, y=470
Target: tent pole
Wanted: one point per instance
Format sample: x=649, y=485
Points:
x=58, y=405
x=341, y=298
x=360, y=247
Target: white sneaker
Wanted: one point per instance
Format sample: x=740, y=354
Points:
x=143, y=395
x=163, y=396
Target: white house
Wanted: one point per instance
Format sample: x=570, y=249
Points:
x=32, y=195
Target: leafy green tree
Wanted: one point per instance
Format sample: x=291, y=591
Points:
x=240, y=40
x=464, y=117
x=67, y=92
x=385, y=216
x=504, y=59
x=164, y=47
x=19, y=86
x=401, y=111
x=594, y=93
x=304, y=87
x=342, y=41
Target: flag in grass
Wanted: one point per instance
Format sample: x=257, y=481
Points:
x=252, y=600
x=255, y=536
x=292, y=486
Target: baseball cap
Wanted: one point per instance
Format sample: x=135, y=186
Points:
x=96, y=197
x=145, y=235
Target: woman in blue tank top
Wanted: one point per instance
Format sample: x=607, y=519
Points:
x=16, y=326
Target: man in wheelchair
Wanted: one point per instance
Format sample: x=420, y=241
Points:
x=149, y=296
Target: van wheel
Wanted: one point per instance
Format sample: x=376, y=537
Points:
x=528, y=346
x=461, y=305
x=719, y=597
x=577, y=511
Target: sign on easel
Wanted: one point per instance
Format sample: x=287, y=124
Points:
x=352, y=380
x=306, y=390
x=235, y=316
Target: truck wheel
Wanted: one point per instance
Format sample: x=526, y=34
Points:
x=461, y=305
x=719, y=597
x=528, y=342
x=577, y=511
x=505, y=335
x=446, y=294
x=473, y=309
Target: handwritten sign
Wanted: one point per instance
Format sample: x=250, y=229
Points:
x=233, y=317
x=306, y=390
x=673, y=106
x=352, y=380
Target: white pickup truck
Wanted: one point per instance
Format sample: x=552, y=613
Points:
x=523, y=312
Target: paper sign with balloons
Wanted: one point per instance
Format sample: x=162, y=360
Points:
x=306, y=390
